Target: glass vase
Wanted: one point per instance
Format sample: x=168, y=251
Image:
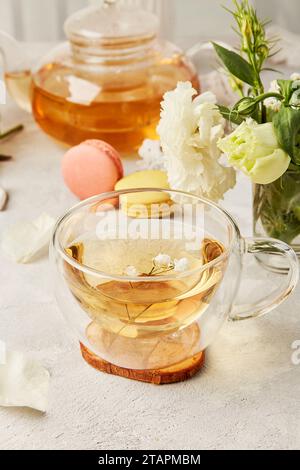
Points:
x=276, y=209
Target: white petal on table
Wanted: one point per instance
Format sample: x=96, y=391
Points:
x=3, y=198
x=23, y=241
x=23, y=382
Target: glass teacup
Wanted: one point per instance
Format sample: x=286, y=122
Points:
x=147, y=277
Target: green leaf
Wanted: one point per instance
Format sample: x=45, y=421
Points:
x=270, y=113
x=230, y=115
x=268, y=69
x=287, y=127
x=236, y=65
x=286, y=89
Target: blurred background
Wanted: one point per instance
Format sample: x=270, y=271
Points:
x=182, y=21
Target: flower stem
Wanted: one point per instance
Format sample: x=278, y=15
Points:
x=5, y=158
x=18, y=128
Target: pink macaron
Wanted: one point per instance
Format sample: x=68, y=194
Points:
x=92, y=167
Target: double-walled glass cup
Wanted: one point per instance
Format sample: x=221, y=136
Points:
x=147, y=277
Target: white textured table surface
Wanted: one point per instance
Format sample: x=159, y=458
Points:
x=247, y=396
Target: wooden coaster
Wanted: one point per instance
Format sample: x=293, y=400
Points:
x=177, y=373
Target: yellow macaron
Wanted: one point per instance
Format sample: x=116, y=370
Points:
x=145, y=204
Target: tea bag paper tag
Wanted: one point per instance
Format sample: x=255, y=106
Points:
x=25, y=240
x=23, y=381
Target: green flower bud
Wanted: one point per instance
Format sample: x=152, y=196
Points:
x=246, y=31
x=263, y=51
x=246, y=106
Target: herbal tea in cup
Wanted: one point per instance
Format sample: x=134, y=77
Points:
x=147, y=277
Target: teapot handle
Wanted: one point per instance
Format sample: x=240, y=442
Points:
x=198, y=47
x=203, y=53
x=275, y=258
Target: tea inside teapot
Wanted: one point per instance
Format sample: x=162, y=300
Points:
x=107, y=81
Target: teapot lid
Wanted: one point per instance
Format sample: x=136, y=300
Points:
x=111, y=22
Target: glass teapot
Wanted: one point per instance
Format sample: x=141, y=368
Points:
x=105, y=82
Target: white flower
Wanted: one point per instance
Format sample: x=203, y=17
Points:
x=253, y=148
x=189, y=131
x=295, y=76
x=178, y=120
x=131, y=271
x=274, y=87
x=162, y=261
x=273, y=103
x=151, y=155
x=181, y=265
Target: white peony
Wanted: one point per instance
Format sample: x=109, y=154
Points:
x=189, y=130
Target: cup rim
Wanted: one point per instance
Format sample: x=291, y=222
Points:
x=56, y=246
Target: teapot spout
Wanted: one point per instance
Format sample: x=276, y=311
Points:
x=17, y=67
